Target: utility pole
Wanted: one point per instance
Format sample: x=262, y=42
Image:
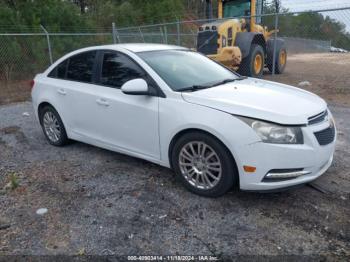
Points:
x=278, y=5
x=209, y=9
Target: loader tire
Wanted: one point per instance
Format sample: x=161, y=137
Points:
x=253, y=64
x=281, y=60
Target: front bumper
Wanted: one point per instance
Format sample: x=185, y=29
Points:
x=311, y=158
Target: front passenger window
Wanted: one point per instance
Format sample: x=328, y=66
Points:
x=118, y=69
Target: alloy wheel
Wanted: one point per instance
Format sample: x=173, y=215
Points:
x=51, y=126
x=200, y=165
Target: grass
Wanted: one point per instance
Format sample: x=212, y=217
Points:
x=14, y=183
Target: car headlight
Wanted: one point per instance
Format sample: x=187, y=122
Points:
x=274, y=133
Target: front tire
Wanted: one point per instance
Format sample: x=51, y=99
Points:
x=253, y=64
x=203, y=164
x=52, y=126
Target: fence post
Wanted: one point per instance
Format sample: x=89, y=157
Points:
x=115, y=34
x=161, y=34
x=274, y=45
x=166, y=34
x=48, y=43
x=194, y=38
x=178, y=32
x=143, y=39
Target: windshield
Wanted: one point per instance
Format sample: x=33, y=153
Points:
x=237, y=8
x=182, y=69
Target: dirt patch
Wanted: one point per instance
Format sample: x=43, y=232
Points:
x=14, y=91
x=13, y=130
x=328, y=74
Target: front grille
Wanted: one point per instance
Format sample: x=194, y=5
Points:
x=318, y=118
x=326, y=136
x=207, y=42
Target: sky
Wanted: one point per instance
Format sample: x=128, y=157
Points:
x=304, y=5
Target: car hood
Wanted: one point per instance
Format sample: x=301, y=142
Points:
x=260, y=99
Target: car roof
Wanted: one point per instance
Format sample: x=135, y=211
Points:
x=138, y=47
x=132, y=47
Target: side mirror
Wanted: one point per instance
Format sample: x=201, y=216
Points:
x=135, y=87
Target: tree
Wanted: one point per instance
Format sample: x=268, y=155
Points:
x=310, y=25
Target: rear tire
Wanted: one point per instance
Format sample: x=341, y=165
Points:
x=281, y=60
x=203, y=164
x=52, y=126
x=253, y=64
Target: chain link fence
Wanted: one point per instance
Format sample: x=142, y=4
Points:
x=24, y=54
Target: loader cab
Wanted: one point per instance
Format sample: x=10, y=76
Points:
x=241, y=8
x=236, y=8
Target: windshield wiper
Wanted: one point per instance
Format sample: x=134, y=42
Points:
x=241, y=78
x=199, y=87
x=193, y=88
x=229, y=80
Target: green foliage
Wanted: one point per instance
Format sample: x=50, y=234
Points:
x=7, y=61
x=14, y=181
x=134, y=12
x=314, y=26
x=309, y=25
x=61, y=15
x=26, y=14
x=23, y=56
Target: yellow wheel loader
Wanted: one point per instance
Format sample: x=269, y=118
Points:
x=241, y=44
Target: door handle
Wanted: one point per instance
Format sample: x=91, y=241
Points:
x=102, y=102
x=61, y=91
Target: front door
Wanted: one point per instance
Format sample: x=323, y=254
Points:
x=129, y=122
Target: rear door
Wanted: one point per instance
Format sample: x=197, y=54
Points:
x=58, y=86
x=79, y=94
x=73, y=92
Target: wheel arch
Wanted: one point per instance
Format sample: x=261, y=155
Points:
x=41, y=107
x=244, y=40
x=190, y=130
x=44, y=103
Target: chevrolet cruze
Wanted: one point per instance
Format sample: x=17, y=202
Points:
x=177, y=108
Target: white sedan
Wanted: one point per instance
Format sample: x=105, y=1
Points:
x=177, y=108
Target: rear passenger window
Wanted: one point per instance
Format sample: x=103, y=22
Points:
x=80, y=67
x=118, y=69
x=59, y=71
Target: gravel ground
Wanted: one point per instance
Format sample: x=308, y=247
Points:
x=101, y=202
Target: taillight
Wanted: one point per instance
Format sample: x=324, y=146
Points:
x=31, y=83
